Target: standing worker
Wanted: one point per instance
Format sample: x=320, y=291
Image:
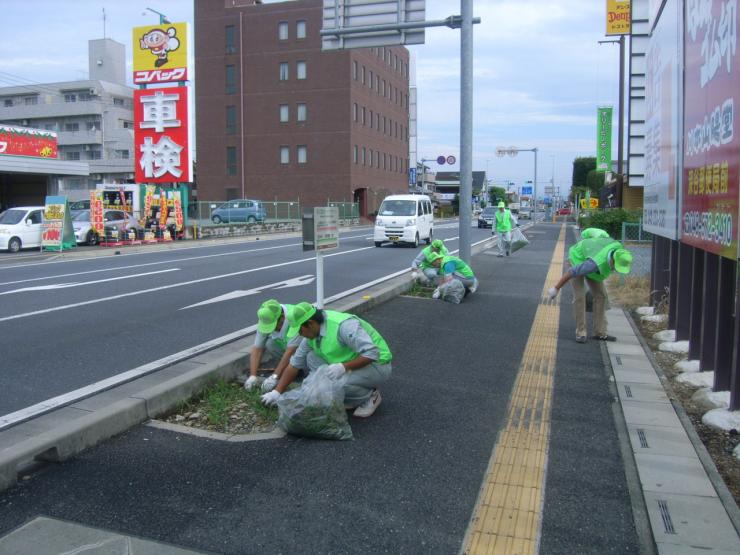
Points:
x=593, y=260
x=452, y=267
x=349, y=345
x=275, y=337
x=423, y=260
x=505, y=220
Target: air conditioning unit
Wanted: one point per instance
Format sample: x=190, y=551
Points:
x=25, y=123
x=93, y=91
x=86, y=147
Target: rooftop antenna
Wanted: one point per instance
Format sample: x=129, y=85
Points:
x=103, y=22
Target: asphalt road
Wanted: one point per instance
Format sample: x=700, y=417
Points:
x=65, y=324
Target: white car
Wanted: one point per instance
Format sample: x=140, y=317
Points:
x=21, y=228
x=113, y=219
x=404, y=219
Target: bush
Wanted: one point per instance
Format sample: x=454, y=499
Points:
x=610, y=220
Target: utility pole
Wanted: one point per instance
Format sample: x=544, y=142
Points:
x=466, y=125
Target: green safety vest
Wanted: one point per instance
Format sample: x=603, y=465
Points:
x=331, y=350
x=597, y=250
x=593, y=233
x=460, y=266
x=283, y=343
x=503, y=221
x=427, y=255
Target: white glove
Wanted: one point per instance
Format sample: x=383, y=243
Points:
x=414, y=273
x=335, y=371
x=552, y=292
x=270, y=383
x=436, y=293
x=270, y=398
x=251, y=382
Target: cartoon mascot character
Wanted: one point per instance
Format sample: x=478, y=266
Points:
x=159, y=43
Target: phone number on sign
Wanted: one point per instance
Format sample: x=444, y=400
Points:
x=709, y=226
x=654, y=217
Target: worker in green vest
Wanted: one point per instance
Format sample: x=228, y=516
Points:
x=345, y=342
x=593, y=233
x=422, y=261
x=592, y=261
x=505, y=220
x=452, y=267
x=274, y=337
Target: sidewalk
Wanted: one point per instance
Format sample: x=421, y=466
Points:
x=417, y=471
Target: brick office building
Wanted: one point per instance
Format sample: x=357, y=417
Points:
x=277, y=118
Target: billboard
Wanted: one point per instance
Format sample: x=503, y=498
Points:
x=21, y=141
x=618, y=17
x=161, y=135
x=604, y=138
x=160, y=53
x=711, y=168
x=662, y=119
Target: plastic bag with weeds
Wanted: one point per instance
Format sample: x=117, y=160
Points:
x=452, y=292
x=518, y=239
x=316, y=409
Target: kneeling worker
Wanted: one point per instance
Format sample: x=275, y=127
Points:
x=593, y=260
x=422, y=260
x=275, y=337
x=349, y=345
x=452, y=267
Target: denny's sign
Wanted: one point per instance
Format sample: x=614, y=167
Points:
x=618, y=17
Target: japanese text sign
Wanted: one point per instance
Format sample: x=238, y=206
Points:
x=160, y=53
x=326, y=227
x=19, y=141
x=618, y=17
x=604, y=139
x=96, y=211
x=161, y=135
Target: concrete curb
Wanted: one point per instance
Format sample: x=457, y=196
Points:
x=70, y=438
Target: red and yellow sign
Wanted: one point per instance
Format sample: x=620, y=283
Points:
x=20, y=141
x=160, y=53
x=618, y=20
x=179, y=218
x=96, y=211
x=593, y=203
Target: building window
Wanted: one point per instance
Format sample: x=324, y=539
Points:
x=300, y=69
x=354, y=154
x=117, y=102
x=283, y=30
x=72, y=155
x=71, y=126
x=354, y=71
x=84, y=97
x=377, y=122
x=283, y=71
x=31, y=100
x=230, y=160
x=284, y=154
x=92, y=125
x=371, y=119
x=300, y=29
x=377, y=84
x=370, y=80
x=94, y=155
x=230, y=79
x=384, y=89
x=302, y=151
x=72, y=98
x=372, y=162
x=385, y=163
x=128, y=124
x=354, y=111
x=385, y=125
x=377, y=160
x=363, y=75
x=8, y=102
x=363, y=116
x=231, y=120
x=230, y=33
x=301, y=111
x=284, y=113
x=395, y=62
x=364, y=152
x=122, y=154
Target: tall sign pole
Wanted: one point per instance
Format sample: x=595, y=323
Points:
x=466, y=125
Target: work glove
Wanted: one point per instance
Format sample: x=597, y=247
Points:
x=436, y=293
x=270, y=398
x=552, y=293
x=251, y=382
x=335, y=371
x=414, y=273
x=270, y=383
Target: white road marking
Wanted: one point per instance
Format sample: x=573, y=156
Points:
x=295, y=282
x=77, y=284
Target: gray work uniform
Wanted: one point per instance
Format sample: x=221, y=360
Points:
x=361, y=382
x=271, y=343
x=429, y=273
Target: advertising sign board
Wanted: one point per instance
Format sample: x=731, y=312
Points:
x=604, y=138
x=662, y=113
x=160, y=53
x=618, y=17
x=20, y=141
x=326, y=227
x=96, y=211
x=57, y=228
x=711, y=169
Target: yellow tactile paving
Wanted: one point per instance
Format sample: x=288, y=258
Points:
x=508, y=513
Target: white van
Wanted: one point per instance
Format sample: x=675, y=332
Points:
x=404, y=219
x=21, y=227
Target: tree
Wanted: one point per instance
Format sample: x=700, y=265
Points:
x=496, y=194
x=581, y=167
x=595, y=181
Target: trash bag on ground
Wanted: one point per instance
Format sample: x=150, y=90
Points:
x=452, y=292
x=518, y=240
x=316, y=409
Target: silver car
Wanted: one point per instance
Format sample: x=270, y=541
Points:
x=112, y=219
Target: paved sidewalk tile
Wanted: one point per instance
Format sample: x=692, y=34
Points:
x=673, y=475
x=641, y=392
x=47, y=536
x=623, y=348
x=650, y=414
x=660, y=440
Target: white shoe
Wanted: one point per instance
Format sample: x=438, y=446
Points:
x=252, y=382
x=367, y=408
x=436, y=293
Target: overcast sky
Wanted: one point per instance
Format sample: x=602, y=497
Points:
x=539, y=72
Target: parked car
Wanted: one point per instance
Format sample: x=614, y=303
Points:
x=112, y=219
x=404, y=218
x=485, y=218
x=564, y=212
x=239, y=210
x=21, y=228
x=78, y=206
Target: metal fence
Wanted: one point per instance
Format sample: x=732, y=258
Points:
x=206, y=213
x=633, y=232
x=347, y=210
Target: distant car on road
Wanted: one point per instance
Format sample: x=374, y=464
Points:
x=486, y=217
x=239, y=210
x=112, y=219
x=21, y=227
x=564, y=212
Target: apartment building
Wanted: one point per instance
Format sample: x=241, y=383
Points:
x=278, y=119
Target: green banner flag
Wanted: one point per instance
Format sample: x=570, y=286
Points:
x=604, y=139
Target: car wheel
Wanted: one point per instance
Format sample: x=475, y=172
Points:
x=92, y=238
x=251, y=219
x=479, y=226
x=14, y=245
x=378, y=243
x=416, y=240
x=216, y=219
x=429, y=239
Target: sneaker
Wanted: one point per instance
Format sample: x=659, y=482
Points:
x=580, y=339
x=367, y=408
x=604, y=337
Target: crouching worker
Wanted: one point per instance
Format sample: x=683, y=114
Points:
x=592, y=261
x=274, y=336
x=452, y=267
x=345, y=342
x=422, y=261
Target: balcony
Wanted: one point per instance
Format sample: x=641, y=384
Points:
x=79, y=137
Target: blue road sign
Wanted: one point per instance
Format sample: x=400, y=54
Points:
x=412, y=176
x=526, y=189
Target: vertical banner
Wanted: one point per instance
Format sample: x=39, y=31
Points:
x=618, y=20
x=604, y=138
x=148, y=197
x=179, y=217
x=162, y=208
x=711, y=169
x=96, y=211
x=58, y=232
x=161, y=135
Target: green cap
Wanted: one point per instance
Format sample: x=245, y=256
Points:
x=298, y=316
x=438, y=244
x=501, y=204
x=268, y=315
x=433, y=256
x=622, y=261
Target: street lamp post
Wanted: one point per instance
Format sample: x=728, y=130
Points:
x=162, y=18
x=620, y=122
x=513, y=151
